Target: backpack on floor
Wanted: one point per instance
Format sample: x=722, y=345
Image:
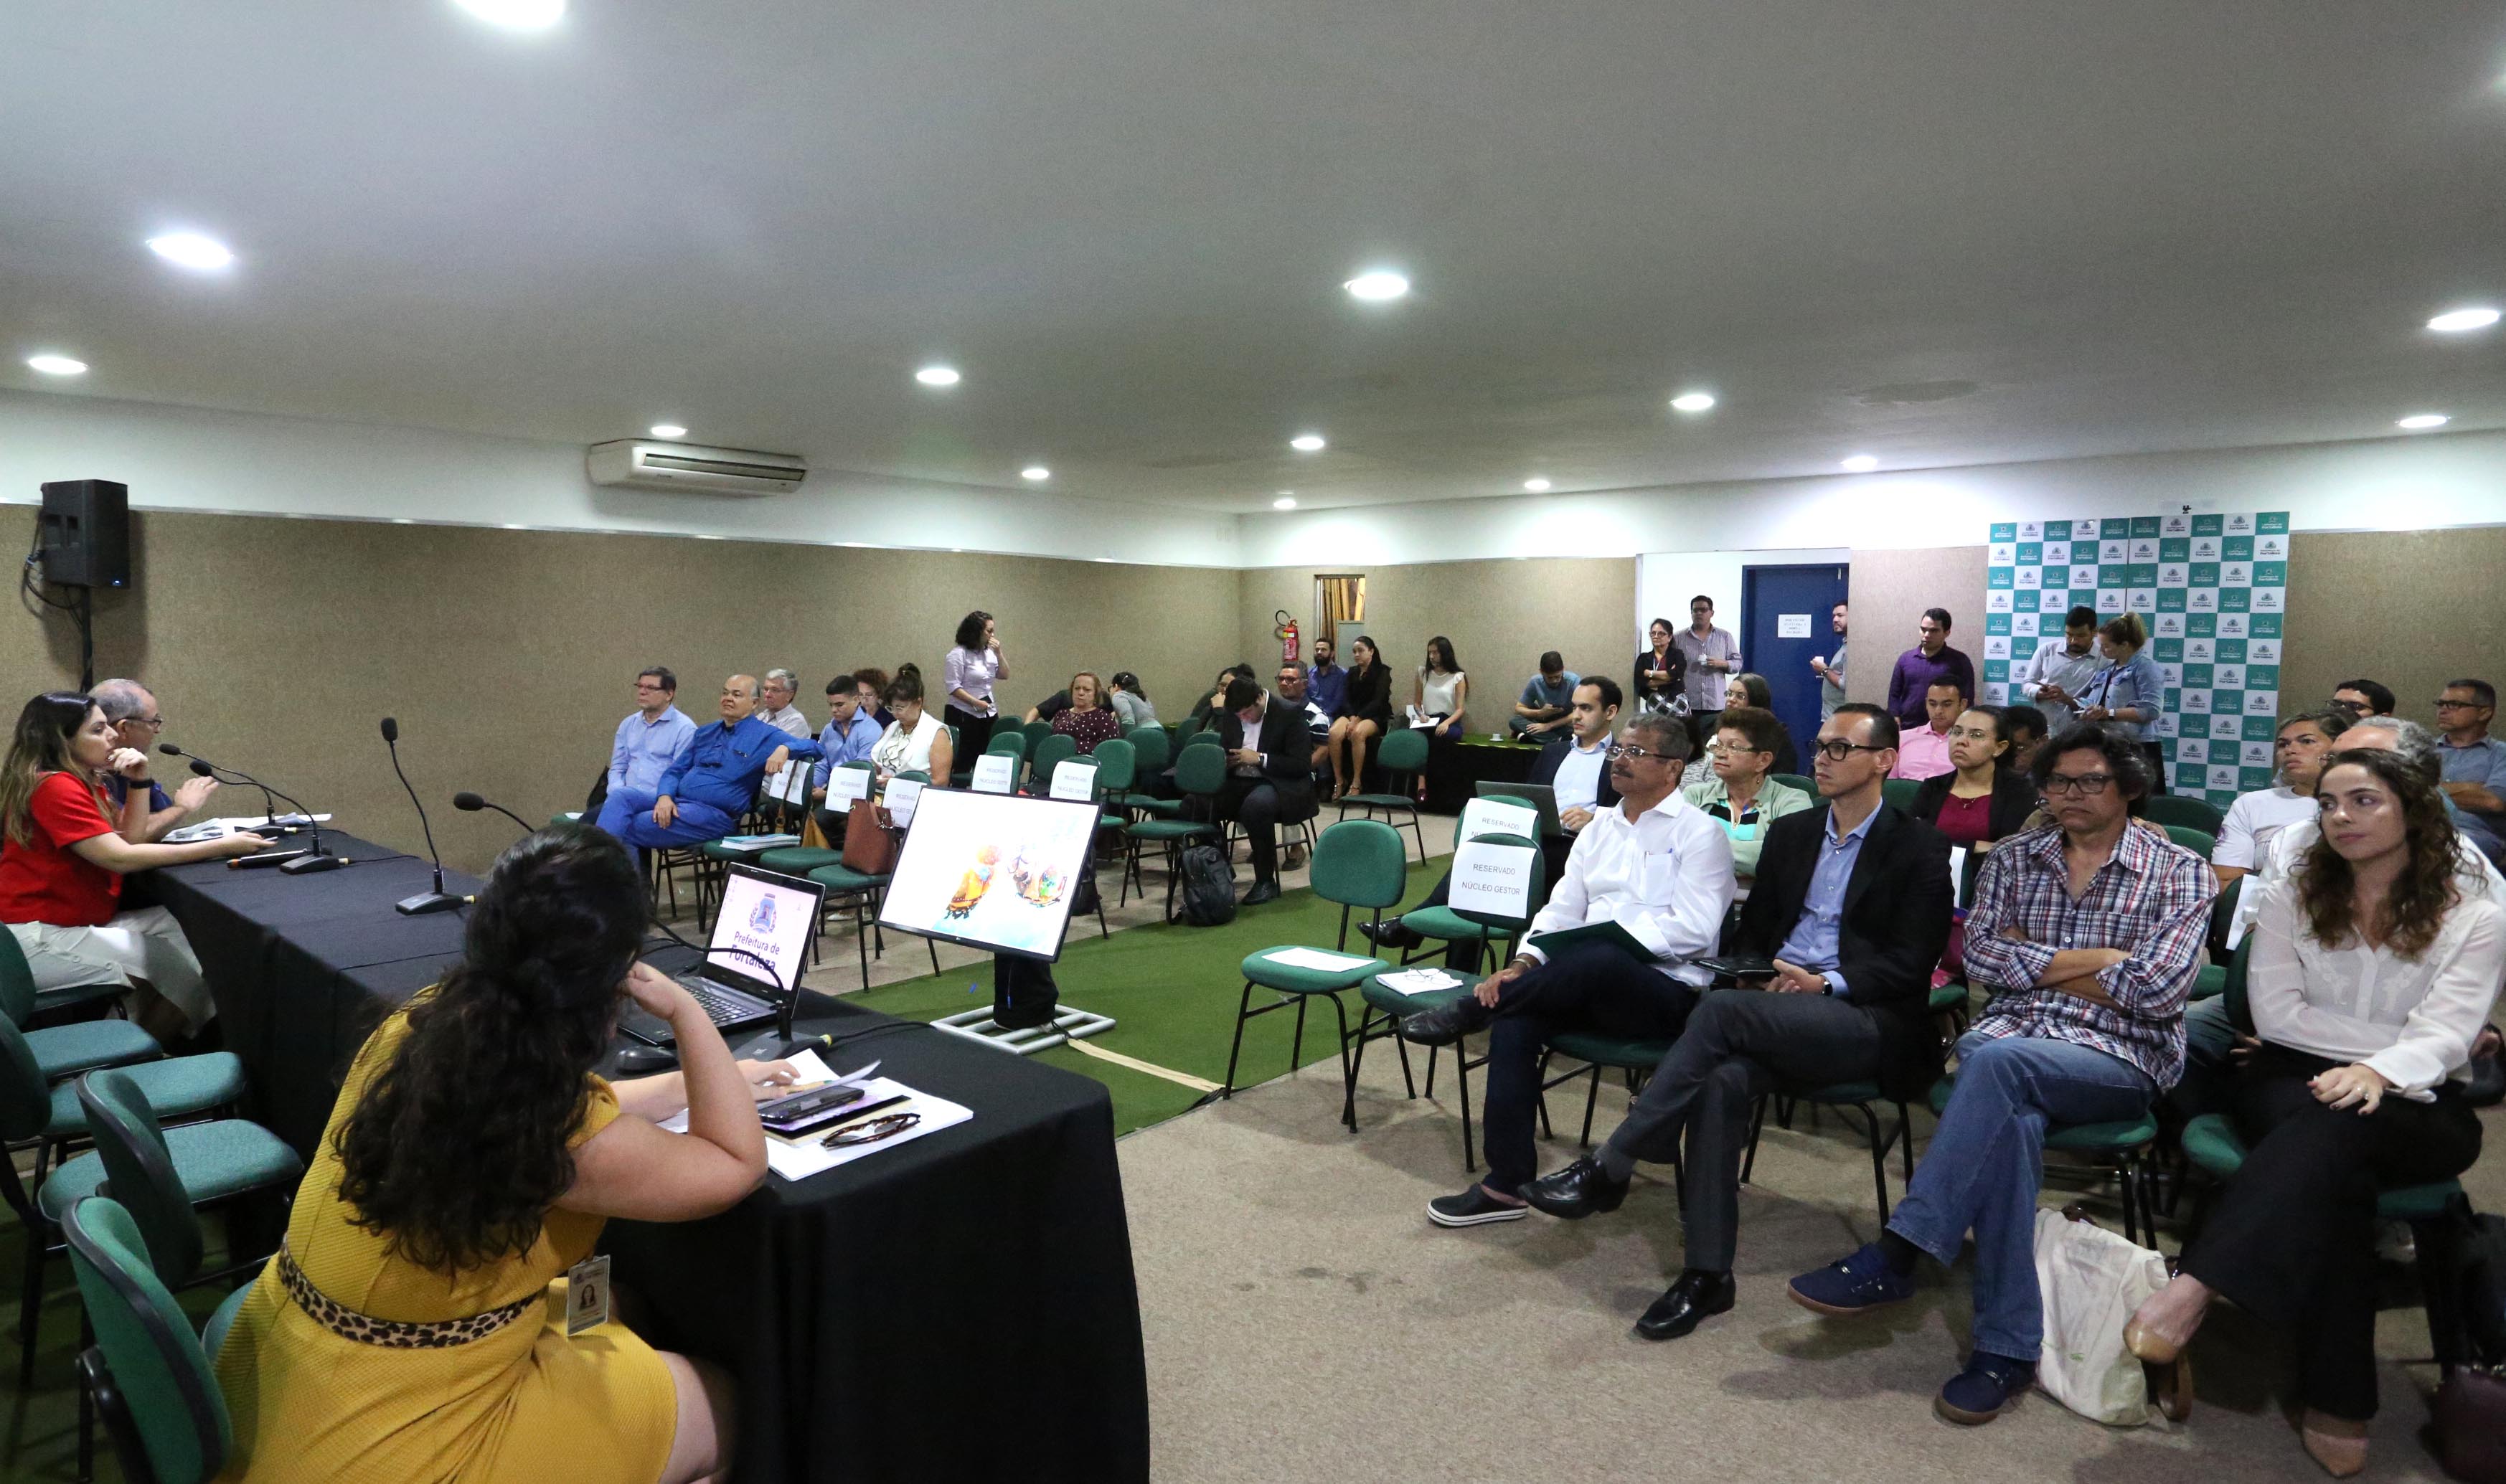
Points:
x=2467, y=1314
x=1208, y=891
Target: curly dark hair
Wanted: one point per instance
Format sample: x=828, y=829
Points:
x=458, y=1148
x=970, y=629
x=2415, y=910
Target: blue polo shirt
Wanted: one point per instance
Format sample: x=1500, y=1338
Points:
x=723, y=764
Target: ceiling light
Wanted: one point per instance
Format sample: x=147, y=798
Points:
x=515, y=15
x=1536, y=486
x=2457, y=321
x=1284, y=502
x=404, y=520
x=668, y=430
x=1860, y=462
x=1308, y=442
x=2418, y=420
x=58, y=366
x=191, y=250
x=937, y=376
x=1035, y=472
x=1377, y=286
x=1693, y=402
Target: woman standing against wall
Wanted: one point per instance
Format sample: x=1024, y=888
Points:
x=971, y=669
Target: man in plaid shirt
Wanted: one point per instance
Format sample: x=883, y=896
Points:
x=2087, y=935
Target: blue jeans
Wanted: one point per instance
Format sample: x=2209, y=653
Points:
x=629, y=814
x=1987, y=1160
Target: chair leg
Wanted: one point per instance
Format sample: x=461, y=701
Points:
x=1296, y=1047
x=1463, y=1084
x=1591, y=1097
x=1878, y=1157
x=1347, y=1067
x=30, y=1304
x=1757, y=1125
x=1431, y=1066
x=1403, y=1047
x=1243, y=1007
x=1905, y=1143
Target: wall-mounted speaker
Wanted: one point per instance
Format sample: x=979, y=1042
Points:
x=84, y=533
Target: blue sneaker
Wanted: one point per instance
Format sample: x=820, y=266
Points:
x=1863, y=1281
x=1976, y=1394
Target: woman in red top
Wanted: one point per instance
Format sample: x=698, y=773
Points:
x=1087, y=720
x=62, y=862
x=1981, y=799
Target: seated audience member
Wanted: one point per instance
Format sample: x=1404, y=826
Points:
x=61, y=864
x=1131, y=702
x=1661, y=681
x=916, y=741
x=1059, y=702
x=1269, y=776
x=2475, y=762
x=702, y=796
x=775, y=709
x=404, y=1331
x=1738, y=794
x=1289, y=688
x=1751, y=689
x=2060, y=669
x=2363, y=699
x=2026, y=728
x=1365, y=710
x=2129, y=693
x=1853, y=904
x=2372, y=974
x=1548, y=701
x=652, y=736
x=848, y=737
x=872, y=682
x=1982, y=799
x=2086, y=937
x=1326, y=682
x=1087, y=719
x=2255, y=819
x=1216, y=701
x=1659, y=870
x=967, y=678
x=1930, y=662
x=137, y=724
x=1924, y=751
x=1442, y=692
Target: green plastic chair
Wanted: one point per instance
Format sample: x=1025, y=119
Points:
x=1401, y=754
x=1034, y=732
x=1806, y=785
x=1863, y=1100
x=2199, y=842
x=150, y=1379
x=26, y=1004
x=1152, y=750
x=1900, y=790
x=1184, y=731
x=1201, y=772
x=1050, y=753
x=1632, y=1058
x=800, y=860
x=2121, y=1146
x=1357, y=864
x=66, y=1050
x=2186, y=810
x=1209, y=738
x=1009, y=744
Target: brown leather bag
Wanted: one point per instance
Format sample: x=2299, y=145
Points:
x=869, y=840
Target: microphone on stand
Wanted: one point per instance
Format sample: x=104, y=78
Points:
x=471, y=803
x=312, y=859
x=207, y=770
x=425, y=901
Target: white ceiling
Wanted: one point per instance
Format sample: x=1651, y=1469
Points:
x=2132, y=225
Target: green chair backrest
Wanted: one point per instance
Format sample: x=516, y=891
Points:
x=1185, y=730
x=1117, y=766
x=1361, y=863
x=1404, y=750
x=2239, y=1014
x=169, y=1397
x=954, y=741
x=140, y=1172
x=1538, y=898
x=16, y=980
x=2184, y=809
x=1900, y=790
x=1202, y=739
x=1809, y=786
x=25, y=1100
x=1967, y=873
x=1151, y=750
x=1036, y=733
x=916, y=774
x=2200, y=842
x=1008, y=744
x=1051, y=753
x=1200, y=769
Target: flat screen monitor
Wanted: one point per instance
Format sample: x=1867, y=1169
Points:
x=771, y=916
x=995, y=871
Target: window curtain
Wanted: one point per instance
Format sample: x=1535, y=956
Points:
x=1343, y=601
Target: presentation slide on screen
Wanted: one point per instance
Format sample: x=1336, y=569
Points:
x=991, y=869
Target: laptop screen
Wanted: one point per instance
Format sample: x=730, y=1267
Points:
x=770, y=919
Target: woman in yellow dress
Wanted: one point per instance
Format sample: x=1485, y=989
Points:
x=413, y=1325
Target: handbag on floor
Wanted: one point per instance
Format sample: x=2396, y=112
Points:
x=2470, y=1410
x=2092, y=1279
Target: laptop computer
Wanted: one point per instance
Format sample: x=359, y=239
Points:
x=762, y=914
x=1539, y=796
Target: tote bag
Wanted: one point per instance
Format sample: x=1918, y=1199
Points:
x=2091, y=1281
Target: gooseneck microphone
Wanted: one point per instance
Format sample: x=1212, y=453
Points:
x=312, y=859
x=425, y=901
x=471, y=803
x=207, y=770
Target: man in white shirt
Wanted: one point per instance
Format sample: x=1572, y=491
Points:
x=775, y=709
x=1661, y=872
x=2055, y=673
x=2257, y=818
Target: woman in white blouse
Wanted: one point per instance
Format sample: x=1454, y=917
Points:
x=916, y=741
x=1443, y=690
x=2372, y=973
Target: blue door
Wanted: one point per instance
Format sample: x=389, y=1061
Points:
x=1769, y=595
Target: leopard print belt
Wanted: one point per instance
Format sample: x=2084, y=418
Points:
x=392, y=1333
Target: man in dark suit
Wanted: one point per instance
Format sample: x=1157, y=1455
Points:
x=1853, y=904
x=1269, y=776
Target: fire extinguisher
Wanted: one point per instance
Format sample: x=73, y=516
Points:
x=1287, y=632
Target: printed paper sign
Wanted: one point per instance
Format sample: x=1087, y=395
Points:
x=995, y=772
x=1495, y=816
x=1074, y=779
x=903, y=794
x=1792, y=625
x=1494, y=879
x=844, y=785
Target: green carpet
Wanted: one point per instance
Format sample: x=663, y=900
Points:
x=1174, y=991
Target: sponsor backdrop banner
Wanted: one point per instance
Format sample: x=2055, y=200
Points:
x=2214, y=593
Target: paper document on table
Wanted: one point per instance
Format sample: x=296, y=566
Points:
x=1421, y=981
x=219, y=828
x=808, y=1155
x=1316, y=958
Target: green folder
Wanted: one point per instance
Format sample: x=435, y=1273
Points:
x=1608, y=933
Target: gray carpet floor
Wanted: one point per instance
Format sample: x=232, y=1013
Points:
x=1304, y=1322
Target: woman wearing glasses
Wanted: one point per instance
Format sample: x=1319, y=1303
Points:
x=1982, y=799
x=1751, y=689
x=2373, y=971
x=2128, y=693
x=1739, y=795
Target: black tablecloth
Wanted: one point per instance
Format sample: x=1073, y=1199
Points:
x=1455, y=764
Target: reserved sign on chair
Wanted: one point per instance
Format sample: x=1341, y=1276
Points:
x=1493, y=881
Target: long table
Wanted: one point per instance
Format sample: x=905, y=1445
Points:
x=961, y=1306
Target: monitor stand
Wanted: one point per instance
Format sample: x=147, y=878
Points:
x=1026, y=1015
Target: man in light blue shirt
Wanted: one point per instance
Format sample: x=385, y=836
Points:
x=650, y=740
x=848, y=738
x=2474, y=761
x=1813, y=945
x=1547, y=705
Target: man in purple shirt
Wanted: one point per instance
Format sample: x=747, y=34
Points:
x=1925, y=663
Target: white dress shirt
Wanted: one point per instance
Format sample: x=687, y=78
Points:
x=789, y=720
x=1579, y=775
x=1665, y=878
x=2413, y=1022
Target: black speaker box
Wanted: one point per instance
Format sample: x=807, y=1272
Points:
x=84, y=532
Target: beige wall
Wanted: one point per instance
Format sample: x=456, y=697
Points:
x=1889, y=592
x=509, y=657
x=1499, y=615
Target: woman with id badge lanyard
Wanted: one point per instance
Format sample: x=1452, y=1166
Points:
x=2128, y=693
x=412, y=1324
x=1739, y=795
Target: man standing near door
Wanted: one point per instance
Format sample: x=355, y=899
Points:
x=1713, y=658
x=1831, y=670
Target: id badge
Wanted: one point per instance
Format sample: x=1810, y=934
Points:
x=587, y=1294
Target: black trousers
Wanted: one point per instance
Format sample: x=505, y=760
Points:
x=1257, y=804
x=974, y=735
x=1590, y=988
x=2293, y=1239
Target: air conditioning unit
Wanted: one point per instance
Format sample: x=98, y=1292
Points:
x=652, y=464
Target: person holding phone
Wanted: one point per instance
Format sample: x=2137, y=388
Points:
x=968, y=675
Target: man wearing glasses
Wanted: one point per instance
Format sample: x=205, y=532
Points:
x=2086, y=937
x=652, y=736
x=1853, y=906
x=2475, y=762
x=1658, y=868
x=137, y=724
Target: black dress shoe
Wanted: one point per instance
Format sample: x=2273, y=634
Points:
x=1262, y=891
x=1577, y=1190
x=1391, y=935
x=1695, y=1298
x=1446, y=1024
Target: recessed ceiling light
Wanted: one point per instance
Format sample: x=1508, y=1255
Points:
x=515, y=15
x=58, y=366
x=1860, y=462
x=1036, y=473
x=191, y=250
x=404, y=520
x=668, y=430
x=938, y=375
x=2420, y=420
x=1693, y=402
x=1377, y=286
x=2457, y=321
x=1536, y=486
x=1308, y=442
x=1284, y=502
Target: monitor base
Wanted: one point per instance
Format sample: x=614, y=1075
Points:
x=1066, y=1025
